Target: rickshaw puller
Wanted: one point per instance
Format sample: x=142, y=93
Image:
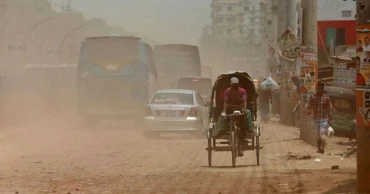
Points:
x=235, y=98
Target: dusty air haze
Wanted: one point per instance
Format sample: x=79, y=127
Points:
x=166, y=21
x=48, y=146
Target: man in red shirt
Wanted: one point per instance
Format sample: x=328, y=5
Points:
x=319, y=103
x=235, y=98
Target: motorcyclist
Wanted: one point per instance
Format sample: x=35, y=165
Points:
x=235, y=98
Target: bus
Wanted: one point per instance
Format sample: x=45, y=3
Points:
x=207, y=71
x=174, y=61
x=116, y=77
x=202, y=85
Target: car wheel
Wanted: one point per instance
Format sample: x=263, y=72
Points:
x=201, y=132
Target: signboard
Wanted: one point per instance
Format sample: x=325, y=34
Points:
x=17, y=48
x=288, y=48
x=363, y=76
x=308, y=56
x=287, y=40
x=363, y=54
x=363, y=107
x=344, y=76
x=307, y=78
x=304, y=99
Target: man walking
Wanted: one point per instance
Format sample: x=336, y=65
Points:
x=319, y=103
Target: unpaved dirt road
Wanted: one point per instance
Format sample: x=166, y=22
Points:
x=58, y=157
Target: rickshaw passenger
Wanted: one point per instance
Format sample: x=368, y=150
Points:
x=235, y=98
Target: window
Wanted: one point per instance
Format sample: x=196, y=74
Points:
x=246, y=8
x=218, y=31
x=218, y=8
x=346, y=13
x=219, y=19
x=173, y=98
x=230, y=8
x=228, y=31
x=338, y=35
x=230, y=20
x=199, y=99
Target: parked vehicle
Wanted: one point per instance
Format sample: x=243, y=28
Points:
x=202, y=85
x=344, y=103
x=176, y=111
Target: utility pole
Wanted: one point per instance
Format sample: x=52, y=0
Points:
x=310, y=23
x=291, y=14
x=363, y=127
x=3, y=9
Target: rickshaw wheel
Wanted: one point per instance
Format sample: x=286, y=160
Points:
x=209, y=149
x=233, y=148
x=257, y=147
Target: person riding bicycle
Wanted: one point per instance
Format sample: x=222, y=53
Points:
x=297, y=83
x=235, y=98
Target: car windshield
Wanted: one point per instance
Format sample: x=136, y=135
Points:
x=173, y=98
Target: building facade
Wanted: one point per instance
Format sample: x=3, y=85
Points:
x=336, y=23
x=237, y=20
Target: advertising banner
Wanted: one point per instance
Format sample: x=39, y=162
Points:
x=363, y=57
x=344, y=76
x=363, y=96
x=307, y=78
x=309, y=57
x=363, y=107
x=288, y=45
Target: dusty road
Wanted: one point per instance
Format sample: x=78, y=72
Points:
x=55, y=157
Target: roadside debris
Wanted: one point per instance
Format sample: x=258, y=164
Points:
x=335, y=167
x=302, y=156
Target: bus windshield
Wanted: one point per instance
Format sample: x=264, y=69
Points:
x=112, y=51
x=178, y=59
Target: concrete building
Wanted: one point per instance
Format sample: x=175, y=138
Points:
x=336, y=22
x=237, y=21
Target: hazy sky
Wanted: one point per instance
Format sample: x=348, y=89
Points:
x=165, y=21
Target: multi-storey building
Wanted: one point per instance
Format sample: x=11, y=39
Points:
x=237, y=20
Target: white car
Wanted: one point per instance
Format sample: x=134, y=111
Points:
x=176, y=111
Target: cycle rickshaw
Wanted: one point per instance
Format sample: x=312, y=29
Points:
x=228, y=139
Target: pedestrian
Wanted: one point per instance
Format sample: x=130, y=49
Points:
x=275, y=109
x=264, y=99
x=319, y=104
